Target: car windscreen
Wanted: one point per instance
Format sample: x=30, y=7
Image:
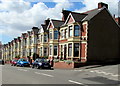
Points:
x=42, y=60
x=15, y=60
x=24, y=60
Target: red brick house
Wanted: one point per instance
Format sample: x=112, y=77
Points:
x=92, y=36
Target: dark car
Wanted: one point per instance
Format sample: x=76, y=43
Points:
x=2, y=62
x=23, y=62
x=14, y=62
x=41, y=63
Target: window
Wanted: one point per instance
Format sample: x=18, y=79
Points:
x=76, y=30
x=41, y=37
x=55, y=50
x=30, y=52
x=25, y=41
x=50, y=34
x=45, y=38
x=62, y=34
x=30, y=41
x=41, y=51
x=70, y=49
x=70, y=31
x=45, y=51
x=50, y=49
x=56, y=34
x=66, y=33
x=76, y=49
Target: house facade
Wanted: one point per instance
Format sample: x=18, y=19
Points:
x=1, y=47
x=43, y=49
x=92, y=36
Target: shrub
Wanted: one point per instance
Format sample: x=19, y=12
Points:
x=68, y=61
x=46, y=57
x=56, y=60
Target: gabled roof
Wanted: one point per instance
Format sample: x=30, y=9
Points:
x=44, y=27
x=57, y=23
x=78, y=16
x=92, y=13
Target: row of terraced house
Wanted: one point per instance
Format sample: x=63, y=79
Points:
x=92, y=36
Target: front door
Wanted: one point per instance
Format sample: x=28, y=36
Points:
x=65, y=49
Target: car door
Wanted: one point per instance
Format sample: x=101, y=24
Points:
x=36, y=62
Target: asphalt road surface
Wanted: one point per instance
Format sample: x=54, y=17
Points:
x=84, y=76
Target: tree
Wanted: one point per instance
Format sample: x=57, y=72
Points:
x=35, y=55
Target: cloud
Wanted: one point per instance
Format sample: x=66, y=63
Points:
x=14, y=6
x=17, y=17
x=91, y=4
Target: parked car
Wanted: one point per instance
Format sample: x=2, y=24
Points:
x=41, y=63
x=14, y=62
x=2, y=62
x=23, y=63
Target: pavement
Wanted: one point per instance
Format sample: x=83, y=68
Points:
x=85, y=76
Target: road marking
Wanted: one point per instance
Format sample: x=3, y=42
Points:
x=92, y=71
x=44, y=74
x=108, y=73
x=115, y=75
x=22, y=70
x=77, y=82
x=78, y=70
x=105, y=73
x=98, y=71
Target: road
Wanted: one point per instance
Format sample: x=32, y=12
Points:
x=84, y=76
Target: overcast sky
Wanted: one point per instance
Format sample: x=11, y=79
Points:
x=19, y=16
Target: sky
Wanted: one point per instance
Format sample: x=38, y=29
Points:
x=19, y=16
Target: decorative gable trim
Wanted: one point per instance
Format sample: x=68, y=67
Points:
x=67, y=20
x=50, y=23
x=41, y=29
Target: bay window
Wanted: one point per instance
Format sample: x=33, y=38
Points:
x=76, y=30
x=41, y=51
x=45, y=38
x=70, y=49
x=66, y=33
x=55, y=50
x=76, y=49
x=70, y=31
x=62, y=34
x=50, y=34
x=50, y=49
x=45, y=51
x=56, y=34
x=41, y=38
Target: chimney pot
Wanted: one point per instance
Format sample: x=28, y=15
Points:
x=101, y=4
x=114, y=16
x=119, y=20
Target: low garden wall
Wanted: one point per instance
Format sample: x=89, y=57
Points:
x=65, y=65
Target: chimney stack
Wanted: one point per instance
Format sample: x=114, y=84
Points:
x=65, y=14
x=114, y=16
x=47, y=21
x=119, y=20
x=101, y=4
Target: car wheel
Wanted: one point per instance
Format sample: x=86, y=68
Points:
x=32, y=66
x=21, y=65
x=37, y=66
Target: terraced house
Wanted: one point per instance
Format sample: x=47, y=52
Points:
x=43, y=40
x=92, y=36
x=1, y=47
